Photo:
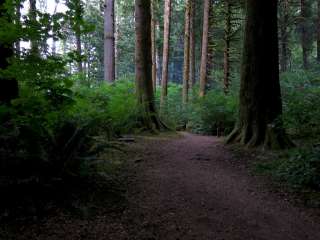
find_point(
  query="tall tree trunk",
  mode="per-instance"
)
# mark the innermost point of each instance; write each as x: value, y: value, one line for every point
x: 192, y: 44
x: 54, y: 45
x: 166, y: 51
x: 8, y: 87
x: 204, y: 52
x: 260, y: 96
x: 18, y: 19
x: 186, y: 56
x: 284, y: 22
x: 143, y: 59
x: 318, y: 32
x: 154, y: 46
x: 109, y: 42
x: 226, y: 62
x: 78, y: 12
x: 306, y: 42
x: 33, y: 17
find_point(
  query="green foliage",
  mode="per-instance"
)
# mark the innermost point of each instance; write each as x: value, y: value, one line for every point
x: 215, y: 114
x: 173, y: 111
x: 300, y: 168
x: 301, y: 93
x: 109, y: 107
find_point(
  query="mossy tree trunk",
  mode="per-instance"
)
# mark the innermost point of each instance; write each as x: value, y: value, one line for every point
x: 318, y: 32
x: 227, y: 43
x: 153, y: 45
x: 143, y: 67
x: 259, y: 122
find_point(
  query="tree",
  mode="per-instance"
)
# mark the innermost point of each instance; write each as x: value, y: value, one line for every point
x: 186, y: 55
x: 306, y: 34
x: 259, y: 121
x: 143, y: 59
x: 204, y: 52
x: 192, y: 54
x: 9, y: 86
x: 166, y: 48
x: 318, y: 31
x: 33, y: 19
x: 153, y: 45
x: 109, y: 42
x: 227, y: 40
x: 284, y: 34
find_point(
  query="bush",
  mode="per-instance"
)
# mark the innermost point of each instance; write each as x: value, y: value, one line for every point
x: 299, y: 168
x: 214, y: 114
x: 48, y: 127
x: 111, y: 109
x: 173, y: 113
x: 301, y: 93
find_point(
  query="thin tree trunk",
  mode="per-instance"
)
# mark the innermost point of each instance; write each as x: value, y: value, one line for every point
x: 109, y: 42
x: 143, y: 59
x: 18, y: 19
x: 79, y: 51
x: 78, y: 13
x: 204, y: 52
x: 318, y: 32
x: 186, y: 63
x: 54, y: 46
x: 226, y: 64
x: 166, y: 52
x: 154, y: 47
x: 284, y: 35
x: 304, y: 34
x: 260, y: 96
x: 192, y: 44
x: 33, y: 17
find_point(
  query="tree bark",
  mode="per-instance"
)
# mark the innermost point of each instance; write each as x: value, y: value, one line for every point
x: 186, y: 63
x: 166, y: 52
x: 109, y: 42
x: 318, y: 32
x: 18, y: 21
x: 226, y: 62
x: 192, y: 77
x: 78, y: 12
x: 284, y: 22
x: 33, y: 18
x: 260, y: 110
x: 306, y: 42
x: 154, y: 46
x: 9, y: 87
x: 204, y: 52
x: 143, y: 59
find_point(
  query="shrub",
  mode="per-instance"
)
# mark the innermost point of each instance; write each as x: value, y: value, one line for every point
x: 214, y: 114
x: 301, y: 92
x: 299, y: 168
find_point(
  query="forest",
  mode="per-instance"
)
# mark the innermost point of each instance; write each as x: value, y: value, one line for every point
x: 159, y: 119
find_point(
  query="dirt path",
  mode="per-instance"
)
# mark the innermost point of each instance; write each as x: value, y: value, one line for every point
x: 192, y: 188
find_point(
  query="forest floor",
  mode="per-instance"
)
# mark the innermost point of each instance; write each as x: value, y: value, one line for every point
x: 181, y: 187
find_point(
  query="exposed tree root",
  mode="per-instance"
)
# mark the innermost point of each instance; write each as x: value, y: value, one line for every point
x: 270, y: 137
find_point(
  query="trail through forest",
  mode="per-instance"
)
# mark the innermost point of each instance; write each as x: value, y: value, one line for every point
x: 193, y: 188
x: 185, y: 187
